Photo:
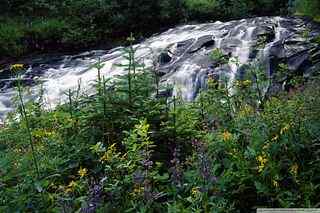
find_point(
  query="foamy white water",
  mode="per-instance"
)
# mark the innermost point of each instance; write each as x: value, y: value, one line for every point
x: 188, y: 48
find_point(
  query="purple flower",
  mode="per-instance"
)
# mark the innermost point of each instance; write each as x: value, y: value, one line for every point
x: 204, y: 162
x: 95, y: 198
x: 176, y: 169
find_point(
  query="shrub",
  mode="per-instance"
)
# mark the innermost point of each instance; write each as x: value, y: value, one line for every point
x: 11, y: 38
x: 127, y: 149
x: 307, y: 7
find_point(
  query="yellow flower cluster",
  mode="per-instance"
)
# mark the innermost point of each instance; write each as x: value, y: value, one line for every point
x: 195, y: 192
x: 275, y: 183
x: 233, y: 153
x: 41, y: 133
x: 226, y: 136
x: 245, y: 83
x: 283, y: 130
x: 212, y: 82
x: 246, y: 110
x: 16, y: 67
x: 294, y: 169
x: 109, y: 153
x: 137, y: 190
x: 82, y: 172
x: 71, y: 187
x: 262, y: 161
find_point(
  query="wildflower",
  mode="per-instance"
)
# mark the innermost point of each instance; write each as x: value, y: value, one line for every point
x: 82, y: 172
x: 176, y: 170
x: 274, y: 138
x: 71, y: 187
x: 72, y: 184
x: 226, y: 136
x: 275, y: 183
x: 16, y: 67
x: 246, y: 83
x: 246, y: 110
x: 105, y: 157
x: 204, y: 163
x: 68, y: 190
x: 294, y: 169
x: 109, y: 154
x: 195, y: 192
x: 238, y: 83
x: 262, y: 161
x: 94, y: 198
x: 285, y: 129
x: 212, y: 83
x: 137, y: 190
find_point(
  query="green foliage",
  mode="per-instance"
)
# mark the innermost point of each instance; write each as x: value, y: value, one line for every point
x: 317, y: 40
x: 219, y: 57
x: 127, y: 149
x: 308, y: 8
x: 44, y: 34
x: 200, y: 9
x: 11, y: 34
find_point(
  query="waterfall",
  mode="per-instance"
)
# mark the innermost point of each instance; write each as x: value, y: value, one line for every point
x: 187, y: 49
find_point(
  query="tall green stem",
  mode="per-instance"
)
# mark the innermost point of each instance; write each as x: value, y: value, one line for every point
x: 25, y: 117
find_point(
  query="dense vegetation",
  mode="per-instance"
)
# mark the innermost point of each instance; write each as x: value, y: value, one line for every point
x: 60, y: 25
x: 128, y: 148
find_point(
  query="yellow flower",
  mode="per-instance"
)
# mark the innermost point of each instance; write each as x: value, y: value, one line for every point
x: 82, y: 172
x: 16, y: 67
x: 212, y: 83
x: 285, y: 129
x: 137, y: 190
x: 109, y: 153
x: 238, y: 83
x: 262, y: 161
x: 294, y: 169
x: 71, y: 187
x: 246, y: 110
x: 274, y: 138
x: 246, y: 83
x: 226, y: 136
x: 72, y: 184
x: 105, y: 157
x: 275, y: 183
x: 195, y: 192
x: 68, y: 190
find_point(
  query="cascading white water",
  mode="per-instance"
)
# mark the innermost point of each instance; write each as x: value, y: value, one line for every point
x: 188, y: 47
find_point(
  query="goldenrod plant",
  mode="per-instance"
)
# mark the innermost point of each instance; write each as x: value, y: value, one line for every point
x: 234, y: 148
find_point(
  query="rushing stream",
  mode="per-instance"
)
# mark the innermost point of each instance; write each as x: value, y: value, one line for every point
x: 182, y: 56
